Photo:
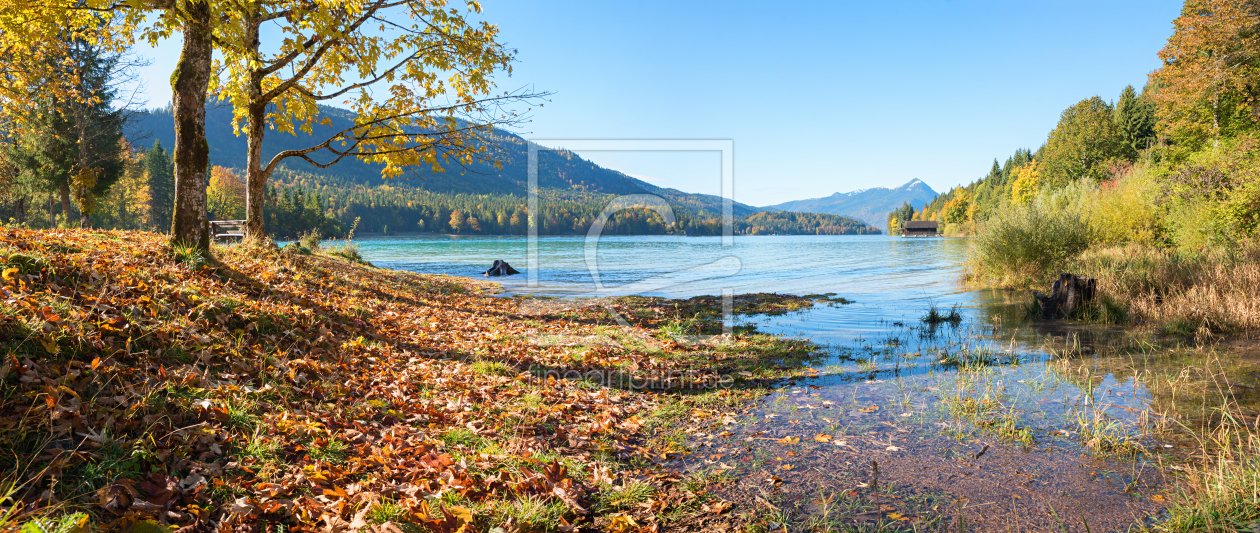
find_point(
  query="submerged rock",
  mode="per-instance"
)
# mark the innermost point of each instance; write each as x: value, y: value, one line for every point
x: 500, y: 268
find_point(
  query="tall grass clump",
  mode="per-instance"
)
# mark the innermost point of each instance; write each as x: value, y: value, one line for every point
x: 1200, y: 293
x: 349, y: 250
x: 1223, y: 494
x: 1026, y: 244
x: 1220, y: 491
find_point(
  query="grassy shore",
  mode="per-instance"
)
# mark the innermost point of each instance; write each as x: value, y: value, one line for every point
x: 1165, y: 269
x: 271, y: 390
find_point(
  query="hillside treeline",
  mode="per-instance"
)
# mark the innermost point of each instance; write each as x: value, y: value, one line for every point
x: 296, y: 199
x: 1156, y: 194
x: 1095, y: 140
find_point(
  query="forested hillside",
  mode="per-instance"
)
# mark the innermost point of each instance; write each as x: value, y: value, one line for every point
x: 474, y: 198
x: 1155, y: 194
x: 463, y: 198
x: 1096, y: 142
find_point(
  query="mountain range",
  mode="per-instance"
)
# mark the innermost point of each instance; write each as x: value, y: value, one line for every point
x: 558, y: 171
x: 868, y: 205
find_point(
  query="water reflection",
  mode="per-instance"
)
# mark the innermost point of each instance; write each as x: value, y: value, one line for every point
x: 1009, y: 422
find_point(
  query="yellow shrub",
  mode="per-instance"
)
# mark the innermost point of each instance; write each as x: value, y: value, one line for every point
x: 1125, y: 210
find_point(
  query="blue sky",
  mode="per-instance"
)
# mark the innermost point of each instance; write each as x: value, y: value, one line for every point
x: 818, y: 97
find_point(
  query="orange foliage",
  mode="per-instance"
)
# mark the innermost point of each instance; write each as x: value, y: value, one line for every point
x: 225, y: 197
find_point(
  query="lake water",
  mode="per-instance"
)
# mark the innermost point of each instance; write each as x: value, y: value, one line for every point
x: 873, y: 270
x: 987, y: 418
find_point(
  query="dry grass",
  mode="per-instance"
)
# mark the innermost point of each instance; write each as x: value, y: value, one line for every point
x: 1200, y: 294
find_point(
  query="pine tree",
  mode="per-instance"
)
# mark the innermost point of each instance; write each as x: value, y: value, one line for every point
x: 161, y: 175
x: 76, y: 137
x: 1136, y: 117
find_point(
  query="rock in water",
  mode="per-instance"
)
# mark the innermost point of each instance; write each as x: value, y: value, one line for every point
x: 500, y: 268
x: 1067, y: 296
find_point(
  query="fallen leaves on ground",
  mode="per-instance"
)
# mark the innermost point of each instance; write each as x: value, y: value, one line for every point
x: 268, y: 386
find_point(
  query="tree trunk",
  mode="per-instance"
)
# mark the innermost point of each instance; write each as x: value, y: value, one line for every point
x: 21, y: 209
x: 81, y: 122
x: 65, y: 200
x: 189, y: 84
x: 1067, y: 297
x: 255, y: 176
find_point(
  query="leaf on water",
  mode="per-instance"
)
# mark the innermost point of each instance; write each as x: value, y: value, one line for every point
x: 893, y: 449
x: 1157, y: 498
x: 718, y: 507
x: 870, y: 409
x: 822, y: 437
x: 788, y: 440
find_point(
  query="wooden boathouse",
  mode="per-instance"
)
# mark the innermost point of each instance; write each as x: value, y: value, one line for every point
x: 919, y: 228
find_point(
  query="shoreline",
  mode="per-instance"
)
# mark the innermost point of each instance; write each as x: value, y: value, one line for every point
x: 398, y: 397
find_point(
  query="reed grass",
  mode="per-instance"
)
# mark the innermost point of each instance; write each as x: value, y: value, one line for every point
x: 1185, y: 293
x: 1220, y: 490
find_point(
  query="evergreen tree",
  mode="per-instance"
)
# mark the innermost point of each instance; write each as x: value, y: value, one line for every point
x: 161, y: 176
x: 79, y: 137
x: 1136, y: 117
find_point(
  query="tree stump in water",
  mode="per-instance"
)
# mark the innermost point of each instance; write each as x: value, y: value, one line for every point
x: 500, y: 268
x: 1068, y: 295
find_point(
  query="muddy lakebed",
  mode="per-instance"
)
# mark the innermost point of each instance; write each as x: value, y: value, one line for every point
x: 986, y: 422
x: 930, y: 407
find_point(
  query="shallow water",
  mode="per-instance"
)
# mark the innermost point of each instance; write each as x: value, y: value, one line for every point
x: 1007, y: 423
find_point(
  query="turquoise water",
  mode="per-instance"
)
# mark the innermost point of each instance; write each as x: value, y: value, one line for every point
x: 883, y: 275
x: 688, y: 266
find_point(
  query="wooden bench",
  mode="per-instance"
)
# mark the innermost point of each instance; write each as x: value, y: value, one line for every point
x: 222, y: 230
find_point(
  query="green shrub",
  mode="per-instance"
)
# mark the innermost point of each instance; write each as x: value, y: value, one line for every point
x: 25, y: 263
x: 310, y: 240
x: 295, y: 248
x: 1214, y: 198
x: 1024, y: 245
x: 349, y: 252
x: 1127, y: 209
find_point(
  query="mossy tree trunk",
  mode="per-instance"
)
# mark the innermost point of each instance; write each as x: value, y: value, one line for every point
x: 189, y: 225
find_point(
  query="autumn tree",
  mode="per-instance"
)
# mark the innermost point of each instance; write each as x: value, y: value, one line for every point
x: 457, y: 220
x: 28, y: 35
x: 957, y: 209
x: 1080, y: 146
x: 1209, y: 84
x: 225, y: 196
x: 127, y: 205
x: 71, y: 136
x: 416, y: 75
x: 1027, y: 182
